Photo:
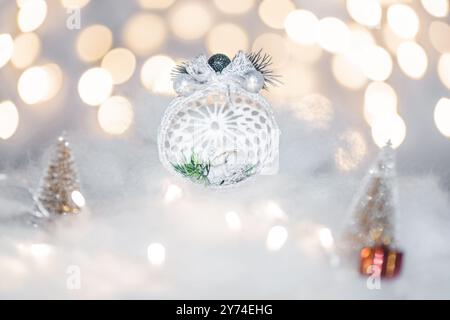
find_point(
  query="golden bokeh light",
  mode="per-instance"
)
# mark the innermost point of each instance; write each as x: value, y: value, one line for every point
x: 155, y: 74
x: 442, y: 116
x: 6, y: 48
x: 55, y: 80
x: 155, y: 4
x: 40, y: 83
x: 385, y: 3
x: 273, y: 44
x: 299, y: 79
x: 390, y: 39
x: 314, y: 109
x: 20, y: 3
x: 143, y: 33
x: 9, y: 119
x: 361, y: 40
x: 347, y: 72
x: 95, y: 86
x: 444, y: 69
x: 365, y: 12
x: 234, y: 6
x: 33, y: 85
x: 303, y: 53
x: 27, y: 47
x: 274, y: 12
x: 31, y: 15
x: 412, y: 59
x: 403, y: 20
x: 272, y: 211
x: 351, y: 150
x: 326, y: 238
x: 190, y: 20
x: 227, y: 38
x: 276, y: 238
x: 389, y: 128
x: 120, y: 63
x: 115, y: 115
x: 71, y: 4
x: 173, y: 193
x: 377, y: 63
x: 233, y: 221
x: 436, y: 8
x: 380, y: 100
x: 302, y: 26
x: 439, y: 34
x: 334, y: 35
x: 78, y: 198
x: 93, y: 42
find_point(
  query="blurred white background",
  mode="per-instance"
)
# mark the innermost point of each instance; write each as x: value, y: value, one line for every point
x: 355, y: 74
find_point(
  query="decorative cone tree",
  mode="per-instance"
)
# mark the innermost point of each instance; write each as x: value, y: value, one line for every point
x: 59, y: 192
x: 372, y: 227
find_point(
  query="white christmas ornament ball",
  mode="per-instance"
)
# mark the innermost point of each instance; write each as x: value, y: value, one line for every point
x: 219, y: 131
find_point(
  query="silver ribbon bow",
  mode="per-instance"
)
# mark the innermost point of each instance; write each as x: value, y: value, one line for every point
x: 202, y: 72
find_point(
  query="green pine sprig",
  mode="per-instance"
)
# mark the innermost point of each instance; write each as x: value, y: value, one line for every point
x: 194, y: 169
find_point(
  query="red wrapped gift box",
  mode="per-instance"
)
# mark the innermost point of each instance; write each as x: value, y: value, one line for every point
x: 380, y: 260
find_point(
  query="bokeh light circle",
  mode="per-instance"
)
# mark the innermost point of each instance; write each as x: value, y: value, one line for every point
x: 115, y: 115
x: 31, y: 15
x: 444, y: 69
x: 390, y: 128
x: 365, y: 12
x: 27, y: 47
x: 33, y: 85
x: 334, y: 35
x: 93, y: 42
x: 155, y: 74
x: 71, y: 4
x: 436, y: 8
x: 442, y: 116
x: 190, y: 20
x: 144, y: 33
x: 377, y: 63
x: 273, y: 44
x: 234, y: 6
x: 439, y: 35
x: 95, y: 86
x: 40, y: 83
x: 120, y: 63
x: 351, y: 150
x: 9, y: 119
x: 274, y: 12
x: 302, y: 26
x: 155, y: 4
x: 6, y: 48
x: 227, y: 38
x: 412, y: 59
x: 380, y: 100
x: 55, y: 80
x: 403, y: 20
x: 347, y: 72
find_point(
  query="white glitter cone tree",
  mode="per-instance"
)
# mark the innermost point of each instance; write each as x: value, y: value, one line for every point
x: 374, y: 209
x: 59, y: 192
x: 372, y: 229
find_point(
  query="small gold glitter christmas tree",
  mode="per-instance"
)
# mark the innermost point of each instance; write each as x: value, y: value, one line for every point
x: 372, y: 228
x: 59, y: 192
x: 374, y: 210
